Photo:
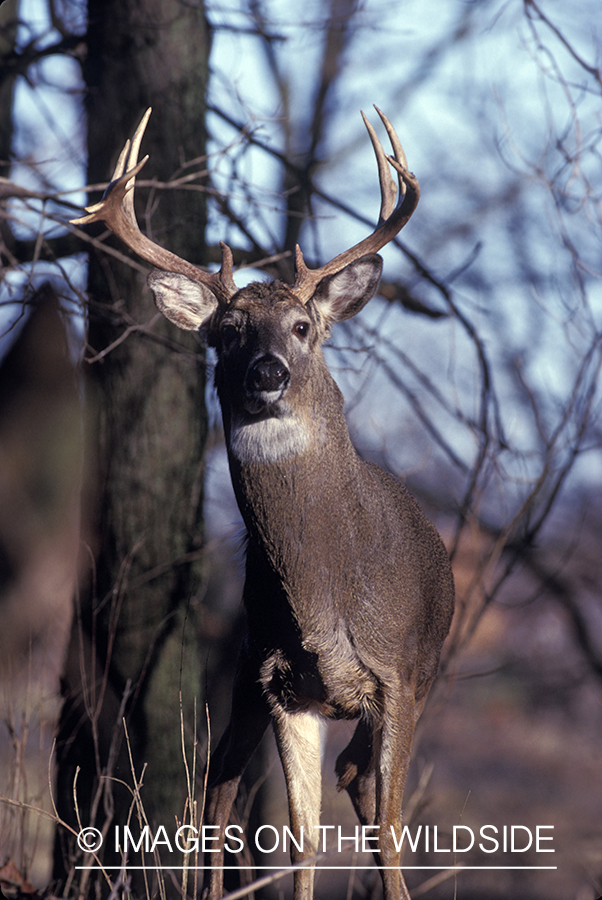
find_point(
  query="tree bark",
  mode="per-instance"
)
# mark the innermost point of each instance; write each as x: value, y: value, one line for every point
x: 134, y: 646
x: 8, y: 72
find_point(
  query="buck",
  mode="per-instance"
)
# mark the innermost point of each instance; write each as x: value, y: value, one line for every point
x: 348, y: 589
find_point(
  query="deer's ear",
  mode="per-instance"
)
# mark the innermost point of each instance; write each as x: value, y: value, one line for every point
x: 186, y: 303
x: 342, y: 295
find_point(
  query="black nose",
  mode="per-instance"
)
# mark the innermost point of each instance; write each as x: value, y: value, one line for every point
x: 268, y: 374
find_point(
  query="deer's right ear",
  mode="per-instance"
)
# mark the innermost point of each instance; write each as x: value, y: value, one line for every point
x: 186, y: 303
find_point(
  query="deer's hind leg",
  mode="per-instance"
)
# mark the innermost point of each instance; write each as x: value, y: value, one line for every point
x: 356, y: 772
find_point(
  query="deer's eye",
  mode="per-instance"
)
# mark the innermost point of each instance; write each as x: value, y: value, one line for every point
x: 301, y: 330
x: 228, y: 332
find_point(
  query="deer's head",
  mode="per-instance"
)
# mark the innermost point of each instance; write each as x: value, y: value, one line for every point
x: 267, y: 336
x: 270, y: 372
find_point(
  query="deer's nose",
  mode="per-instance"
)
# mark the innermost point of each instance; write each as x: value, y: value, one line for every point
x: 268, y: 374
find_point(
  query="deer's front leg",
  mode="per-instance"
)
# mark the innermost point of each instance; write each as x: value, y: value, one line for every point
x: 248, y: 722
x: 298, y: 739
x: 393, y: 744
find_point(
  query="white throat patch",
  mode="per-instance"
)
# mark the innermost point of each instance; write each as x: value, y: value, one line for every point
x: 268, y: 440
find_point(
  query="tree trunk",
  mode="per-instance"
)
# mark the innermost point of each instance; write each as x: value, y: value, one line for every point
x: 134, y: 645
x: 8, y: 36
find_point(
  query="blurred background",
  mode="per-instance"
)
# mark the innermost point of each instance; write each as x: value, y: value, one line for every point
x: 473, y: 376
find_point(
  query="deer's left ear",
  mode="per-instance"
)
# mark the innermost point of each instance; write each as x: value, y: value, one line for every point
x: 342, y: 295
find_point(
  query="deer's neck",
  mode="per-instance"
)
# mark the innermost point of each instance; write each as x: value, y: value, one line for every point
x: 292, y: 490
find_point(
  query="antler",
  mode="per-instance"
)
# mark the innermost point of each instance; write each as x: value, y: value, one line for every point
x: 391, y: 220
x: 116, y: 209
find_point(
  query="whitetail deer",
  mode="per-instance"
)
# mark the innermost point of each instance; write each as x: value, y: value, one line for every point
x: 348, y: 591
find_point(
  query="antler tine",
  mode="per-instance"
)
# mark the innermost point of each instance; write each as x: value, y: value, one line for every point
x: 395, y: 142
x: 393, y: 215
x: 116, y: 210
x: 388, y: 190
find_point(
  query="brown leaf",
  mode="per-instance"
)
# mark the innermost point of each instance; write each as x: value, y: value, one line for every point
x: 12, y: 882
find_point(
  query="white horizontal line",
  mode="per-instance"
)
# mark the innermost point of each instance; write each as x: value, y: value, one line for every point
x: 332, y: 868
